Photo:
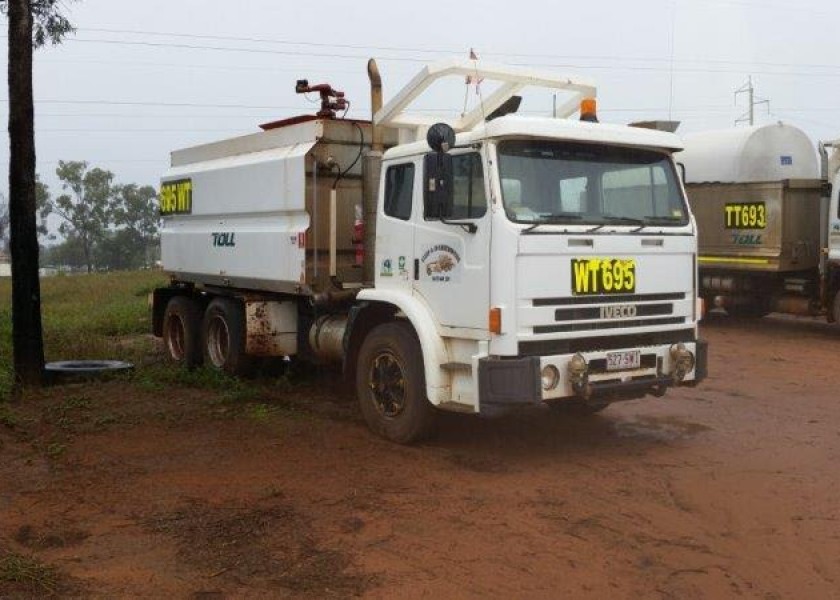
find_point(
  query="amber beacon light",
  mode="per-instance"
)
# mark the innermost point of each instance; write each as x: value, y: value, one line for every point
x: 589, y: 110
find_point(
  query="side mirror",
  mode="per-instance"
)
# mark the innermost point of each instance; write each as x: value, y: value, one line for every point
x: 681, y: 168
x: 437, y: 188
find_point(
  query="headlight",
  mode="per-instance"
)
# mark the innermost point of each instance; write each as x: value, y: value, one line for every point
x: 550, y: 377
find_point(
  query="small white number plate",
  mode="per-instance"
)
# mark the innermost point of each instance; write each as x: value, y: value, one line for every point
x: 624, y: 361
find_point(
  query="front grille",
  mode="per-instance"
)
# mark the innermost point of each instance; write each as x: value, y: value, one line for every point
x: 600, y: 343
x: 602, y: 299
x: 601, y: 325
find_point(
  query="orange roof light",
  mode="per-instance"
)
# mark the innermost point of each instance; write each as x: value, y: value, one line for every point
x: 588, y: 110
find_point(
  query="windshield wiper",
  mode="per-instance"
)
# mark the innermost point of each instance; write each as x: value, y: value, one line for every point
x: 610, y: 219
x: 665, y: 219
x: 554, y: 219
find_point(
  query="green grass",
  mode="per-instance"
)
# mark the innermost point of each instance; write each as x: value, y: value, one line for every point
x: 27, y: 571
x: 84, y: 317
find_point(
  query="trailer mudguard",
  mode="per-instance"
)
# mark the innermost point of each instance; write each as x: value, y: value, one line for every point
x: 438, y: 389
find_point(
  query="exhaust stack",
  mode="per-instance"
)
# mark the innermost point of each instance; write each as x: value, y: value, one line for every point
x: 375, y: 103
x: 371, y: 169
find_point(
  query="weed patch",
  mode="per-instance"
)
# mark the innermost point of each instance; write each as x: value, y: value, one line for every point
x: 28, y: 574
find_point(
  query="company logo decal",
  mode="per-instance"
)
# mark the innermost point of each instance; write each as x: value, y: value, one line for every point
x: 618, y: 311
x: 387, y: 269
x: 441, y: 262
x: 224, y: 239
x: 746, y: 239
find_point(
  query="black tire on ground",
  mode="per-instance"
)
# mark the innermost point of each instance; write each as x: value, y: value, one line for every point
x: 182, y: 331
x: 223, y: 337
x: 577, y: 408
x: 391, y: 384
x: 77, y: 370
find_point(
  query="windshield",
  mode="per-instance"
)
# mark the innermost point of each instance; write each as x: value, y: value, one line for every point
x: 562, y: 182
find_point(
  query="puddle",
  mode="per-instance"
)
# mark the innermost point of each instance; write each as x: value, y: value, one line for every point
x: 660, y: 428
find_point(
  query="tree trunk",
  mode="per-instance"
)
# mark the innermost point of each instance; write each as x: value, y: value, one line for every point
x: 26, y: 290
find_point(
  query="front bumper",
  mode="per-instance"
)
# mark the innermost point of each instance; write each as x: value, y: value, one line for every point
x: 518, y: 381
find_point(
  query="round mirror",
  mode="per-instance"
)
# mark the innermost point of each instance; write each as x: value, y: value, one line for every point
x: 440, y: 137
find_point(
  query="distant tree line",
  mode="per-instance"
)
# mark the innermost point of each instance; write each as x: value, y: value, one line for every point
x: 103, y: 225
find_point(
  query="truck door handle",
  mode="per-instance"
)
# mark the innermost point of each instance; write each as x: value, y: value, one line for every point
x: 416, y: 269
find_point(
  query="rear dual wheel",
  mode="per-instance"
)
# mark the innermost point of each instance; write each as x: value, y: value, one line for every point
x: 216, y: 338
x: 182, y: 331
x: 223, y: 330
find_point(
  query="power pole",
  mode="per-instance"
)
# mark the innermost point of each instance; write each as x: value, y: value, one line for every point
x: 753, y: 100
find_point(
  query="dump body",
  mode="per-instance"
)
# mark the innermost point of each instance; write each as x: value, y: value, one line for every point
x: 759, y: 197
x: 755, y: 193
x: 253, y: 212
x: 767, y: 226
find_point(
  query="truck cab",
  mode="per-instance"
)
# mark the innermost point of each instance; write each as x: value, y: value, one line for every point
x: 563, y: 270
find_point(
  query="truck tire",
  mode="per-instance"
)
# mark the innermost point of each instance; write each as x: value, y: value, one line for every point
x: 224, y: 337
x: 391, y: 384
x: 182, y: 331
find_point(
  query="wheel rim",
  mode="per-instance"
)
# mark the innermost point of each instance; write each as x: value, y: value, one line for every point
x: 387, y: 384
x: 176, y: 337
x: 218, y: 341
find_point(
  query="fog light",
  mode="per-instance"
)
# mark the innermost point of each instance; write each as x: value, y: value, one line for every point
x: 550, y: 377
x: 579, y: 375
x: 683, y: 361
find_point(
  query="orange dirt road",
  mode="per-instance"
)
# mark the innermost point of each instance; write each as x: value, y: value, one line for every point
x: 728, y: 490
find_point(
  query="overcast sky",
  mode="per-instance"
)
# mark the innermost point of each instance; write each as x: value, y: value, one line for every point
x: 139, y: 79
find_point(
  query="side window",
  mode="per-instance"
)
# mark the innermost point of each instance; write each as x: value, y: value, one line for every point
x: 468, y: 199
x: 399, y: 189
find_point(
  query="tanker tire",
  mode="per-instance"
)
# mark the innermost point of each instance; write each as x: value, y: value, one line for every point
x: 391, y: 385
x: 182, y: 331
x: 223, y: 335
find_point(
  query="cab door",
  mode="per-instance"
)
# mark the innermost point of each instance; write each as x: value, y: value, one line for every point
x: 451, y: 271
x: 401, y: 186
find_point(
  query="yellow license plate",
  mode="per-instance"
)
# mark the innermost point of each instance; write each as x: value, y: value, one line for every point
x: 745, y: 215
x: 176, y: 197
x: 593, y: 276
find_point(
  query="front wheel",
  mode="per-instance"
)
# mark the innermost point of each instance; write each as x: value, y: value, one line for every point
x: 391, y: 384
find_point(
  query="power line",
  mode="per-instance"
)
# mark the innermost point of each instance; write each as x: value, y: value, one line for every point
x: 445, y: 52
x: 195, y: 36
x: 331, y: 55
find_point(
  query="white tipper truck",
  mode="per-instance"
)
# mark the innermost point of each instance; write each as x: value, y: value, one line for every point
x: 505, y: 260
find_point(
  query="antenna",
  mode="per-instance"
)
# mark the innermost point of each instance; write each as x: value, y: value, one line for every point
x: 754, y: 101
